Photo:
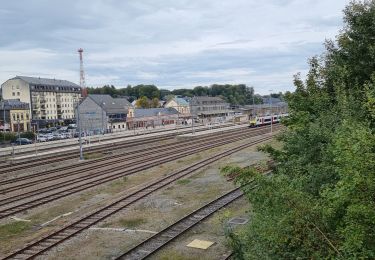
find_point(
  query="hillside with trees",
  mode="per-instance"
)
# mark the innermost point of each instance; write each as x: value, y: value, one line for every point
x: 319, y: 201
x: 234, y: 94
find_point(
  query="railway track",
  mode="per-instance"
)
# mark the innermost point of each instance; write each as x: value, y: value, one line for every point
x: 42, y: 196
x: 157, y: 241
x: 67, y: 155
x: 46, y: 149
x: 93, y: 164
x: 55, y: 238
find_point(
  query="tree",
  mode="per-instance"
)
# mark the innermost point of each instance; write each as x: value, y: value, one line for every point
x: 319, y: 201
x: 143, y: 102
x: 155, y: 102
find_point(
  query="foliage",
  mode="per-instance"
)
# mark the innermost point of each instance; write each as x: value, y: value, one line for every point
x: 154, y: 102
x: 28, y: 135
x: 7, y: 136
x: 319, y: 201
x: 234, y: 94
x: 143, y: 102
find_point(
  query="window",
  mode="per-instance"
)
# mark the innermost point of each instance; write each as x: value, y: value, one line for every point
x: 18, y: 93
x: 13, y: 94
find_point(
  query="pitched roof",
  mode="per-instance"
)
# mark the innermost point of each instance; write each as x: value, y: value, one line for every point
x: 181, y: 101
x: 150, y: 112
x: 13, y: 104
x: 111, y: 105
x: 47, y: 82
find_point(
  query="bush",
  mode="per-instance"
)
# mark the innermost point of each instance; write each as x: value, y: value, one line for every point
x: 7, y: 136
x: 28, y: 135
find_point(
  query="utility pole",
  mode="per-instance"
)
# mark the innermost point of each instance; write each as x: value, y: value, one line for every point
x: 271, y: 110
x: 192, y: 115
x: 79, y: 133
x: 18, y: 130
x: 4, y: 121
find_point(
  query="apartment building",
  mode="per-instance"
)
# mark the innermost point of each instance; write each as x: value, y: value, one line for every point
x: 48, y: 99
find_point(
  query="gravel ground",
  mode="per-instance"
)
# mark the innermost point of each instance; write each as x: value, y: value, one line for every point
x: 161, y: 209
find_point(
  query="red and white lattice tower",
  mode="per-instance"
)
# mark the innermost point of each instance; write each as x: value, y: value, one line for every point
x: 82, y: 82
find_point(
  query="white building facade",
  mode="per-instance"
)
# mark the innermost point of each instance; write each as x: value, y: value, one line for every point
x: 49, y: 99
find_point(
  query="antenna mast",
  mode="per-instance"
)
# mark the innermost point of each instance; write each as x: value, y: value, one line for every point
x: 82, y: 82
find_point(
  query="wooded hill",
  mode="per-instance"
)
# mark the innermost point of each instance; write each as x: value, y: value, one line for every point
x: 233, y: 94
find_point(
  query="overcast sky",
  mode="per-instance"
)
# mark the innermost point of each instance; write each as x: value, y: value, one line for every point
x: 170, y: 43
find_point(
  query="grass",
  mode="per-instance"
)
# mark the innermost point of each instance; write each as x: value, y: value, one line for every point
x: 174, y: 255
x: 13, y: 229
x: 132, y: 223
x: 183, y: 181
x: 88, y: 156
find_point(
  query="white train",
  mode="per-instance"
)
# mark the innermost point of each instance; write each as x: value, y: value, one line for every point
x: 266, y: 120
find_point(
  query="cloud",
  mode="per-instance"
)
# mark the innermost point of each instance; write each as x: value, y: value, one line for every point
x: 165, y: 42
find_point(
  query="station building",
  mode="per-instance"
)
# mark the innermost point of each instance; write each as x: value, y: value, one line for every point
x: 49, y: 100
x: 209, y: 107
x: 151, y: 117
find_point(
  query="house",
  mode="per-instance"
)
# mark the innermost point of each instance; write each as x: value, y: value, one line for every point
x: 180, y: 104
x: 102, y: 113
x: 14, y: 116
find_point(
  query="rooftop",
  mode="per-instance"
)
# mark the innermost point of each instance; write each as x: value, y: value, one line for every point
x: 150, y: 112
x: 46, y: 82
x: 111, y: 105
x: 13, y: 104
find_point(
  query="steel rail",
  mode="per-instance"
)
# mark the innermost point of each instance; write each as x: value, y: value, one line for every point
x: 157, y: 241
x: 55, y: 238
x: 104, y: 179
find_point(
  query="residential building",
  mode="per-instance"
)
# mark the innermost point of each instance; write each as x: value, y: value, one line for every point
x: 205, y: 106
x: 151, y: 117
x: 102, y: 113
x: 181, y: 105
x: 14, y: 116
x: 49, y: 100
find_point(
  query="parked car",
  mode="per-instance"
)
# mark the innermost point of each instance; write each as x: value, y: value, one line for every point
x: 22, y: 141
x: 41, y: 138
x: 50, y: 137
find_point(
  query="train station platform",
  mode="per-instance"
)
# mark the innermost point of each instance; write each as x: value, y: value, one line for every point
x: 43, y: 149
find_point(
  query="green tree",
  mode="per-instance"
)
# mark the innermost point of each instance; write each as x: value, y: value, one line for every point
x: 143, y: 102
x: 319, y: 200
x: 155, y: 102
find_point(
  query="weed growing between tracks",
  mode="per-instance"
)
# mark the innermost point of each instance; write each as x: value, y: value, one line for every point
x: 13, y: 229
